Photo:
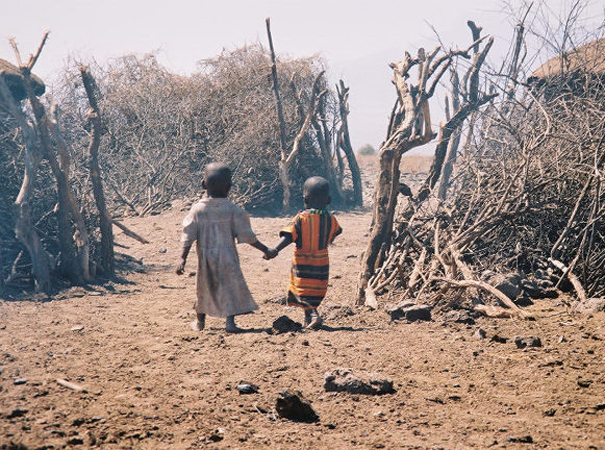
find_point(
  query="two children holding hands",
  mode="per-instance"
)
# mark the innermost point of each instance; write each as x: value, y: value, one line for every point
x: 215, y: 224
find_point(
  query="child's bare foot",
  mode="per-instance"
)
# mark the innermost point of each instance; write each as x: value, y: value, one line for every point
x: 196, y: 325
x: 316, y: 321
x: 307, y: 318
x: 199, y: 323
x: 231, y: 327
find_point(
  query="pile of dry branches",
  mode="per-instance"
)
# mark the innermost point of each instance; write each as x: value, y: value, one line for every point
x: 523, y: 195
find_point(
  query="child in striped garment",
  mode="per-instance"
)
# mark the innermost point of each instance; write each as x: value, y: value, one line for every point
x: 312, y: 230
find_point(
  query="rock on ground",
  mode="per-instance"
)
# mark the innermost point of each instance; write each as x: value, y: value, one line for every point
x: 459, y: 317
x: 480, y: 334
x: 509, y: 285
x: 527, y: 341
x: 538, y: 288
x: 283, y: 324
x: 294, y: 407
x: 347, y: 380
x: 410, y: 311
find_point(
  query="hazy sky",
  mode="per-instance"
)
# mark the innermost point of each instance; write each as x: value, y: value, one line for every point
x: 357, y: 38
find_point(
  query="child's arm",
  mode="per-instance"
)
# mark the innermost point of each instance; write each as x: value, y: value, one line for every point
x: 263, y: 248
x: 286, y: 239
x: 180, y: 268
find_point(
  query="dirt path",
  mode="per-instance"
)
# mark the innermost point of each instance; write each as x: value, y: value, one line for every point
x: 152, y: 383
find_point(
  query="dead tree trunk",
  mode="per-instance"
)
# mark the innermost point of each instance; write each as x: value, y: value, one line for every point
x: 81, y: 236
x: 324, y: 139
x: 94, y: 116
x: 406, y: 131
x: 452, y: 149
x: 24, y: 228
x: 409, y: 127
x: 68, y: 261
x: 287, y: 158
x: 344, y: 142
x: 283, y: 165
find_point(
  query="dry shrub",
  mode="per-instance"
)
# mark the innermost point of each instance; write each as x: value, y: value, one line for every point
x: 162, y: 128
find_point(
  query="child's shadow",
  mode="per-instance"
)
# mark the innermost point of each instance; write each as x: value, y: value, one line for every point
x: 331, y: 329
x: 254, y: 330
x: 241, y: 331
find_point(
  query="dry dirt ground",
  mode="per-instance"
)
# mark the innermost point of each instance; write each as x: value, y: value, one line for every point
x: 152, y: 383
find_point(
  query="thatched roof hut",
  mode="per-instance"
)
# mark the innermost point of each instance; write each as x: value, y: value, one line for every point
x: 12, y: 77
x: 589, y: 58
x: 572, y: 72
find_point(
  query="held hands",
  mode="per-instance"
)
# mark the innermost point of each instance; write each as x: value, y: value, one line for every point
x: 270, y: 253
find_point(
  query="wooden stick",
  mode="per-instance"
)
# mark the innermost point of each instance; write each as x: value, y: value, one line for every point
x: 515, y: 310
x: 280, y: 114
x: 94, y: 118
x: 370, y: 298
x: 575, y: 282
x: 495, y: 311
x: 129, y: 232
x: 69, y: 385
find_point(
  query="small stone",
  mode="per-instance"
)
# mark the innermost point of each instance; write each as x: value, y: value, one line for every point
x: 521, y: 439
x: 75, y: 441
x: 215, y: 437
x: 17, y: 412
x: 509, y: 285
x: 294, y: 407
x: 91, y: 438
x: 162, y: 250
x: 550, y: 412
x: 459, y: 317
x: 523, y: 301
x: 538, y: 289
x: 499, y: 339
x: 561, y: 339
x: 18, y: 381
x: 480, y: 334
x: 527, y: 341
x: 410, y: 311
x: 584, y: 383
x: 79, y: 421
x: 77, y: 328
x: 347, y: 380
x: 247, y: 388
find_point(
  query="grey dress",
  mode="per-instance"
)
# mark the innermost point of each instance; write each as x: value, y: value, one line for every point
x: 215, y: 224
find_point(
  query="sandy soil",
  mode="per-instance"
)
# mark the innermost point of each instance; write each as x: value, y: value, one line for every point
x: 151, y: 382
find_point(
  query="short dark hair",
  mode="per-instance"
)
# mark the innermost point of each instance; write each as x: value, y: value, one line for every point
x: 316, y: 189
x: 217, y: 177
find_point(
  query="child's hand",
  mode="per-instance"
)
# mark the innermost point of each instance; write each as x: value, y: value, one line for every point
x: 270, y: 253
x: 180, y: 268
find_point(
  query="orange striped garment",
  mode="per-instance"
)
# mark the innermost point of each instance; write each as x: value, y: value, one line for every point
x: 312, y: 230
